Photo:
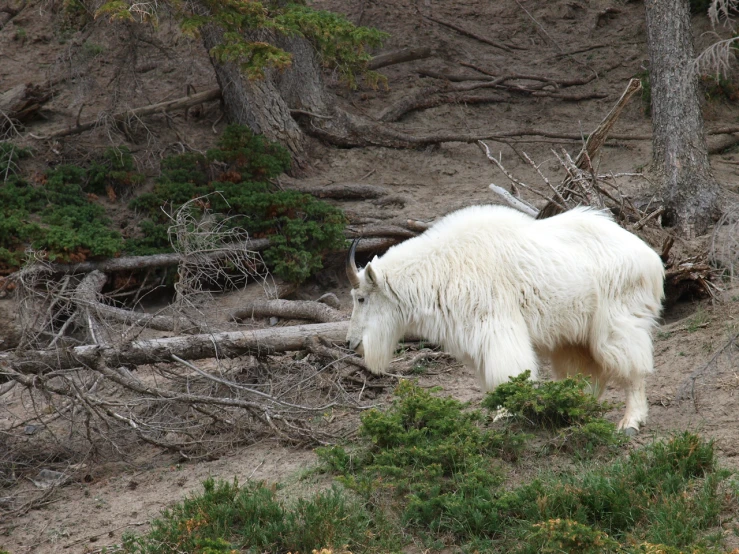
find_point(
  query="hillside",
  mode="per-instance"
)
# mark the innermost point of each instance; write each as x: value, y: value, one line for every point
x: 565, y: 64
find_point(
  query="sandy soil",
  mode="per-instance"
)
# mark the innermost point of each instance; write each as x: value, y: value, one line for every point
x: 563, y: 39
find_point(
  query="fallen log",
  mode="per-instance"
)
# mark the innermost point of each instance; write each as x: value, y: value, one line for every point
x: 380, y: 231
x: 289, y: 309
x: 192, y: 347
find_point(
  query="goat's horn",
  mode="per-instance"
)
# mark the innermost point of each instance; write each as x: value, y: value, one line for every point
x: 351, y: 266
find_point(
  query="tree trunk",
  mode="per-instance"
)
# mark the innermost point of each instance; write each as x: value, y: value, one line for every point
x: 256, y: 103
x: 680, y: 153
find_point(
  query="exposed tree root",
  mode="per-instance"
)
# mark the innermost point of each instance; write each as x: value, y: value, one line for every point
x: 399, y: 56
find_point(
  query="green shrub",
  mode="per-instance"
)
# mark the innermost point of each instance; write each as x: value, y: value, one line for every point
x: 666, y: 493
x: 428, y: 470
x: 563, y: 535
x: 63, y: 216
x: 551, y: 404
x: 227, y: 517
x: 436, y: 464
x: 432, y: 459
x: 56, y: 216
x: 300, y: 228
x: 113, y: 172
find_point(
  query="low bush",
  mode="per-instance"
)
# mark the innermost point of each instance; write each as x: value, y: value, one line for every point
x: 227, y: 517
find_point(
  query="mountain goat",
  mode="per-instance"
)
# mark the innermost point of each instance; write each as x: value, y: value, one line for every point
x: 498, y: 290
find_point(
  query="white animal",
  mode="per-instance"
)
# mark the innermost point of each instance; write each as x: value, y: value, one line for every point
x: 499, y: 290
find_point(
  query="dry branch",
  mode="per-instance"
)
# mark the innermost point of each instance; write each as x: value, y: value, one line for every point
x: 459, y: 93
x: 513, y: 202
x: 121, y: 117
x: 430, y: 97
x: 501, y: 80
x: 356, y: 131
x: 86, y: 298
x: 137, y: 263
x: 398, y: 56
x: 289, y: 309
x: 590, y: 150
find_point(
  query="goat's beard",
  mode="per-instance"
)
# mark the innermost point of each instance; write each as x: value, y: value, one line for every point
x: 378, y: 346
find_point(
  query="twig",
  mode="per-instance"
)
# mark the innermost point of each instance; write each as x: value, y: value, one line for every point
x: 486, y: 150
x: 562, y: 201
x: 108, y: 532
x: 659, y: 211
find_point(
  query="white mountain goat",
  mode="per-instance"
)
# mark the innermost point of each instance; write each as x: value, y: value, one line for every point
x: 498, y: 289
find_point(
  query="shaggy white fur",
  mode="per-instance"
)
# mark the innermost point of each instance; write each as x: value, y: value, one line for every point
x: 498, y: 290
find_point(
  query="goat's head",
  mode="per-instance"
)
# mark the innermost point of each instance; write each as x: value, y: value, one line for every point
x: 376, y: 324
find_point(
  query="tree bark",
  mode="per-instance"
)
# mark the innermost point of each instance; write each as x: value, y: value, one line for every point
x: 679, y: 152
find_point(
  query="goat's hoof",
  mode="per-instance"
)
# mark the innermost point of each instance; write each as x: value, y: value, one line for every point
x: 630, y: 431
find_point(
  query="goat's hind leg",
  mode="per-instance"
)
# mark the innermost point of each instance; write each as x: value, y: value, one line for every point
x: 627, y: 356
x: 636, y: 405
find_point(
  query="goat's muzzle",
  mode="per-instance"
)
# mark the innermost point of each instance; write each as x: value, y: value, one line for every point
x: 357, y: 346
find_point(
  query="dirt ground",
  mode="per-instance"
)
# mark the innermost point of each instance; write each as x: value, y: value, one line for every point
x: 560, y: 39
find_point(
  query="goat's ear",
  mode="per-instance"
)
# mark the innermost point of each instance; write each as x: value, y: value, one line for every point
x: 371, y: 275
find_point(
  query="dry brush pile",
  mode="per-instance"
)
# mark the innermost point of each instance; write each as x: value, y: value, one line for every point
x: 92, y: 375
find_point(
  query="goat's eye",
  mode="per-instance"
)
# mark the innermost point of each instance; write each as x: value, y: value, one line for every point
x: 360, y: 300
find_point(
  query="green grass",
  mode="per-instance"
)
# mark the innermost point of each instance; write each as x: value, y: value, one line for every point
x: 699, y: 320
x: 436, y: 472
